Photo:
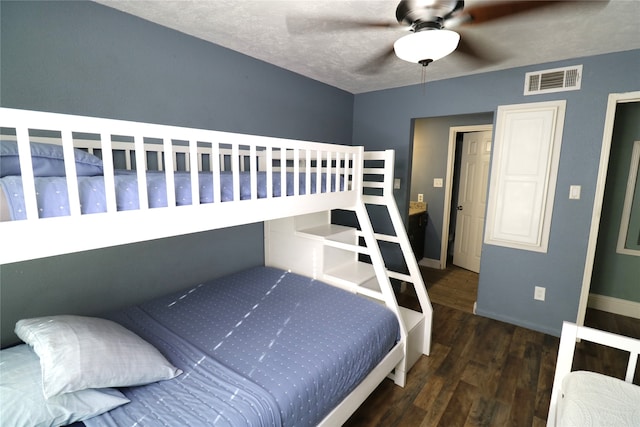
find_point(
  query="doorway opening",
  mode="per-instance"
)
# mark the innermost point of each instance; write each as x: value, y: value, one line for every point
x: 467, y: 196
x: 607, y: 140
x: 433, y: 170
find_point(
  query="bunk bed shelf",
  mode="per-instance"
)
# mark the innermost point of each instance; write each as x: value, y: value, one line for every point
x: 353, y: 273
x: 330, y: 231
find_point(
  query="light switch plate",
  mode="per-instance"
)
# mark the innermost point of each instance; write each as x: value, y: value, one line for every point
x: 396, y: 184
x: 437, y: 182
x: 574, y: 192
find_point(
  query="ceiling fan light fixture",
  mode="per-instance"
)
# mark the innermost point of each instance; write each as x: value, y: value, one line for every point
x: 426, y: 46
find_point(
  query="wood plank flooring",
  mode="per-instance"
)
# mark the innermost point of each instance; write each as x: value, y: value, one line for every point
x: 453, y: 287
x: 482, y: 372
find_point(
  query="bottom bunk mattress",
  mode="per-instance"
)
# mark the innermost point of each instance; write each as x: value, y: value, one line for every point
x: 263, y: 347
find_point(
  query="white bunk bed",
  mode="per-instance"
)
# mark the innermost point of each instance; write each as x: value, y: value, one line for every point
x: 582, y: 398
x: 290, y: 185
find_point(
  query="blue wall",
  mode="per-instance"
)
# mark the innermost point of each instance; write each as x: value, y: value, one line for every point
x: 507, y: 277
x: 84, y: 58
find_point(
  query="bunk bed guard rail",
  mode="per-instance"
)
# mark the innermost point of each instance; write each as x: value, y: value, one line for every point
x: 229, y: 179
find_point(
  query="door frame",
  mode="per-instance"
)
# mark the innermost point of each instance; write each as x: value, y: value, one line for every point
x: 613, y: 101
x: 451, y: 157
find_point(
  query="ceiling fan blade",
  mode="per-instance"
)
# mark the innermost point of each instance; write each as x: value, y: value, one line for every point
x: 486, y: 12
x: 377, y: 63
x: 476, y: 52
x: 310, y: 25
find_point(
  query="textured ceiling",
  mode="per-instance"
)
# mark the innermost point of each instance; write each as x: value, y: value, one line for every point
x: 295, y: 35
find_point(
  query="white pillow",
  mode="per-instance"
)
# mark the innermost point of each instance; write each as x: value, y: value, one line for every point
x: 22, y: 402
x: 78, y: 352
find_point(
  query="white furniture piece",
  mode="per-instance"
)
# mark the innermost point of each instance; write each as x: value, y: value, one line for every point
x: 298, y: 231
x: 581, y: 398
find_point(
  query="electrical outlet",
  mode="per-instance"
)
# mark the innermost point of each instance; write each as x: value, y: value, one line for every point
x: 538, y: 293
x: 420, y: 197
x: 396, y: 184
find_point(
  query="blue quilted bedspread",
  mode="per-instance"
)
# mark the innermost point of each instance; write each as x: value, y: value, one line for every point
x: 262, y: 347
x: 52, y: 195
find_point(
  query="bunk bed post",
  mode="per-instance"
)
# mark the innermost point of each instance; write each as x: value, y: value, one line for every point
x: 568, y: 338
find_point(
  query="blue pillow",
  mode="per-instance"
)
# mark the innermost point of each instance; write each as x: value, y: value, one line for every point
x: 22, y: 401
x: 48, y: 160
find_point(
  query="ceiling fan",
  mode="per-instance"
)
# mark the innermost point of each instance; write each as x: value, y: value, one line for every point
x: 431, y: 24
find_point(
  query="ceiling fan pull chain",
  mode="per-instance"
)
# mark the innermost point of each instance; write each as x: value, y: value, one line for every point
x: 423, y: 80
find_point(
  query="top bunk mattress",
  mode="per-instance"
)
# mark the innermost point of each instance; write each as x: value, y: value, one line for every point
x: 53, y: 200
x: 258, y: 348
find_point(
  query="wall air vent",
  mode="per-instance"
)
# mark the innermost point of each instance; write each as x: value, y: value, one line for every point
x: 554, y: 80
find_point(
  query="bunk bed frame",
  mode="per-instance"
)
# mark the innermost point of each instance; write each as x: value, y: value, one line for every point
x: 299, y: 212
x: 169, y: 221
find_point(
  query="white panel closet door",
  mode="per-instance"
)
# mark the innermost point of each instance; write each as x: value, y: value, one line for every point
x: 523, y: 175
x: 472, y: 199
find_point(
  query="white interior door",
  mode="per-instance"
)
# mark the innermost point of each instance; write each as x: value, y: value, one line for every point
x: 472, y: 199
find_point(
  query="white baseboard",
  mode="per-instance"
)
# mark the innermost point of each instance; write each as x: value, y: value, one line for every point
x: 428, y: 262
x: 614, y: 305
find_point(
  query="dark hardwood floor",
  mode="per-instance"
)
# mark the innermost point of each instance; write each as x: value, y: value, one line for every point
x: 482, y: 372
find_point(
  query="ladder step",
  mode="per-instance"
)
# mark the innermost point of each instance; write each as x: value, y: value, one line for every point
x: 373, y: 171
x: 373, y: 184
x: 371, y: 289
x: 387, y: 238
x: 376, y: 155
x: 347, y: 246
x: 374, y: 200
x: 383, y: 237
x: 370, y: 293
x: 400, y: 276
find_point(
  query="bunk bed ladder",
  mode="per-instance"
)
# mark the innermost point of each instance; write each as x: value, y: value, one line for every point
x: 378, y: 191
